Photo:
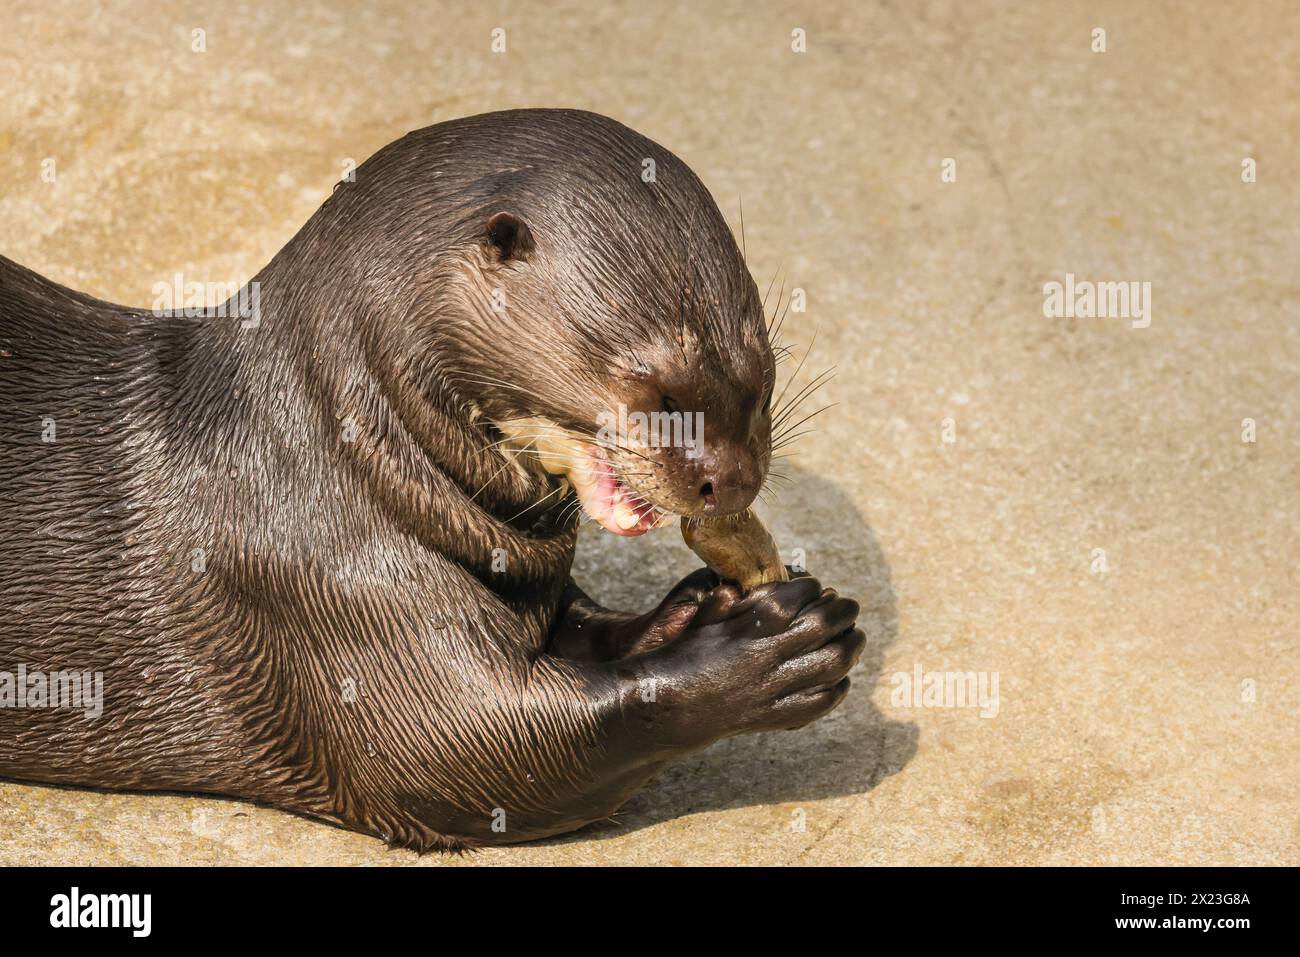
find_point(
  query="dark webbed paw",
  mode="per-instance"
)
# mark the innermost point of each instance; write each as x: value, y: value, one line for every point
x: 591, y: 633
x: 775, y: 658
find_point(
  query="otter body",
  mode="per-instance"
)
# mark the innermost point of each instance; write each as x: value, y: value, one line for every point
x: 305, y: 564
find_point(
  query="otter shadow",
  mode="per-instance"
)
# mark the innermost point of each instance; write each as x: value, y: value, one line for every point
x: 848, y: 752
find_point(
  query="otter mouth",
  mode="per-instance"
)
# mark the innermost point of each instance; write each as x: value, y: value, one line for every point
x: 610, y: 502
x: 602, y: 493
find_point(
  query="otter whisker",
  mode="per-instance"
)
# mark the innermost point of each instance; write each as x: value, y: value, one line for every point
x: 625, y: 448
x: 790, y: 428
x: 771, y: 331
x: 585, y: 469
x: 821, y: 379
x: 461, y: 377
x: 770, y: 494
x: 792, y: 438
x: 770, y: 284
x: 797, y: 370
x: 489, y: 481
x: 744, y: 254
x: 569, y: 510
x: 784, y: 411
x: 530, y: 433
x: 776, y: 329
x: 559, y: 488
x: 481, y: 379
x: 577, y: 468
x: 532, y: 437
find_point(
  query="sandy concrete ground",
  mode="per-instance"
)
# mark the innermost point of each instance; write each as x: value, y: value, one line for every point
x: 1147, y: 712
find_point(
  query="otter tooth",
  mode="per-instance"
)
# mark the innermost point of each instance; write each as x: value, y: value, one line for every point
x: 625, y: 516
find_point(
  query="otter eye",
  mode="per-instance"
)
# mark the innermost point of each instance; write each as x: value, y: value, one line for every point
x: 670, y: 406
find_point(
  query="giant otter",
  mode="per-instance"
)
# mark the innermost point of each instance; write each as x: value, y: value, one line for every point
x: 308, y: 563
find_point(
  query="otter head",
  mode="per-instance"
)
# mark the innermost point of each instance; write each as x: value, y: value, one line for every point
x: 608, y: 327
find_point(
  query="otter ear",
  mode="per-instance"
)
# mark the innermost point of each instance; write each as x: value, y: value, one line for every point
x: 509, y: 236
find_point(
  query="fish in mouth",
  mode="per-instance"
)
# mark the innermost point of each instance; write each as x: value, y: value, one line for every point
x: 737, y: 545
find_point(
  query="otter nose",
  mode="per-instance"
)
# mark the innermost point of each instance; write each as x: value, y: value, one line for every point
x: 730, y: 486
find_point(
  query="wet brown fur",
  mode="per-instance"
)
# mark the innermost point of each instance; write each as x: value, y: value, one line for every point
x: 334, y: 466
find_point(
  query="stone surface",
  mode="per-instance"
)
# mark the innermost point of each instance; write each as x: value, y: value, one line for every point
x: 1126, y: 730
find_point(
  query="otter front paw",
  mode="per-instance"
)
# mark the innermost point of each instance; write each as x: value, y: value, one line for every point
x: 775, y: 658
x: 587, y: 632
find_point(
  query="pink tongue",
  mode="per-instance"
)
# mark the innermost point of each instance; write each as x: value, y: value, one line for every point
x: 606, y: 500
